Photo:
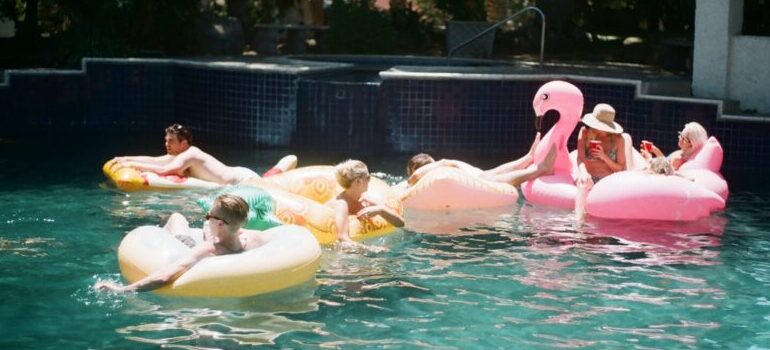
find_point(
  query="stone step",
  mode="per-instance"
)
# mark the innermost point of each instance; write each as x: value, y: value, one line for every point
x: 677, y: 88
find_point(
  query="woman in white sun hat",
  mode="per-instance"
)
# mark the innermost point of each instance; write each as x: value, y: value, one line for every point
x: 600, y: 146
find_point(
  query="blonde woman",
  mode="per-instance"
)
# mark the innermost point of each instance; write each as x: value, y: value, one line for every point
x: 600, y: 146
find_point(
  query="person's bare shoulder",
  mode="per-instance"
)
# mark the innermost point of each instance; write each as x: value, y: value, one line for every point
x: 251, y: 239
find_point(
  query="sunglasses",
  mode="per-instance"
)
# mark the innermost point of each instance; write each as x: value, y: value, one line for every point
x: 684, y: 138
x: 209, y: 217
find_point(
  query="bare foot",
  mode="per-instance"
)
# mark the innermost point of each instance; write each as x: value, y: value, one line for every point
x: 287, y: 163
x: 546, y: 167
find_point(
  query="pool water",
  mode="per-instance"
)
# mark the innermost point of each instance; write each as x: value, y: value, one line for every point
x: 518, y: 277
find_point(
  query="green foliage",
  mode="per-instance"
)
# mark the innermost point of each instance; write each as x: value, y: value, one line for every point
x: 163, y: 26
x: 355, y: 27
x: 463, y: 10
x: 412, y: 32
x: 12, y: 9
x: 633, y: 16
x: 72, y: 29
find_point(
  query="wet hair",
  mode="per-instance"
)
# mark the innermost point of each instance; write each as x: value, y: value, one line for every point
x: 349, y: 171
x: 417, y: 161
x: 696, y: 133
x: 661, y: 165
x: 182, y: 133
x: 233, y: 208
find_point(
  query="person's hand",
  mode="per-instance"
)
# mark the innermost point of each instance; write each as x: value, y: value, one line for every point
x: 124, y: 163
x: 109, y: 286
x: 657, y: 152
x: 644, y: 153
x: 368, y: 212
x: 585, y: 180
x: 597, y: 152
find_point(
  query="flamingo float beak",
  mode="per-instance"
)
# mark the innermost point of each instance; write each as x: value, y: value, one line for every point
x: 538, y: 122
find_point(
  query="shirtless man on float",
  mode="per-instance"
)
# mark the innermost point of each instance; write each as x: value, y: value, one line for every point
x: 183, y: 159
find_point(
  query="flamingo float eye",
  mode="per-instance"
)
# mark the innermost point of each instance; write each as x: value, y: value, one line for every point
x: 545, y: 96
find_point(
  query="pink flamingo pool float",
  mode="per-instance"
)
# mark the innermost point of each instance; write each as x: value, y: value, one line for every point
x: 631, y: 194
x: 559, y: 189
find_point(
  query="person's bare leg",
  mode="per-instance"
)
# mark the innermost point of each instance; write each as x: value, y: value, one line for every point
x: 519, y: 176
x: 177, y: 225
x: 518, y: 164
x: 580, y: 202
x: 285, y: 164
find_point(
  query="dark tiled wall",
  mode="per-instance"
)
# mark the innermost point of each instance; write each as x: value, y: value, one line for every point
x: 455, y: 116
x: 247, y: 107
x: 239, y: 106
x: 129, y: 96
x: 459, y: 117
x: 339, y: 116
x: 399, y: 115
x: 41, y: 101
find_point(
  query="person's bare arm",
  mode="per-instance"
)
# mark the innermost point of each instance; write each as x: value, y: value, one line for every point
x: 581, y: 146
x: 161, y: 277
x: 420, y: 172
x: 341, y: 219
x: 374, y: 206
x: 176, y: 166
x: 583, y: 176
x: 654, y: 152
x: 614, y: 165
x: 144, y: 159
x: 676, y: 160
x: 387, y: 213
x: 470, y: 169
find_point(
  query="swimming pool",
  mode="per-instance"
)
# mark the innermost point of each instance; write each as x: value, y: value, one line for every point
x: 519, y: 277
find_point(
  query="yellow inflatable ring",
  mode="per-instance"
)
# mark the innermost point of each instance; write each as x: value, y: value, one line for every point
x: 300, y: 196
x: 130, y: 179
x: 289, y: 258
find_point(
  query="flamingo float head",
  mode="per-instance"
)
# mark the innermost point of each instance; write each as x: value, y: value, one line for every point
x: 561, y: 96
x: 566, y: 99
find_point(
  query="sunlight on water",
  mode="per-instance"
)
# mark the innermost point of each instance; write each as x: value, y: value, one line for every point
x: 516, y: 277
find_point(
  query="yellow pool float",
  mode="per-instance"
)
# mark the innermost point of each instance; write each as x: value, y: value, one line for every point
x: 131, y: 179
x: 300, y: 196
x: 289, y: 257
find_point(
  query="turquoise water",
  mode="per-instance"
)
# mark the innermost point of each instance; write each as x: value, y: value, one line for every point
x: 519, y: 277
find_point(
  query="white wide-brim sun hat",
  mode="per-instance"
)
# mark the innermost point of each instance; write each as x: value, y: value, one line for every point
x: 603, y: 119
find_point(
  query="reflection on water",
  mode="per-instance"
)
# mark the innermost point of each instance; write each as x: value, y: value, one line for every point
x: 200, y: 323
x: 516, y: 277
x: 629, y: 241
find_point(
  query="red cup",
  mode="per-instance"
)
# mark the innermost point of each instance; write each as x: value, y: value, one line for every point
x: 647, y: 145
x: 594, y: 145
